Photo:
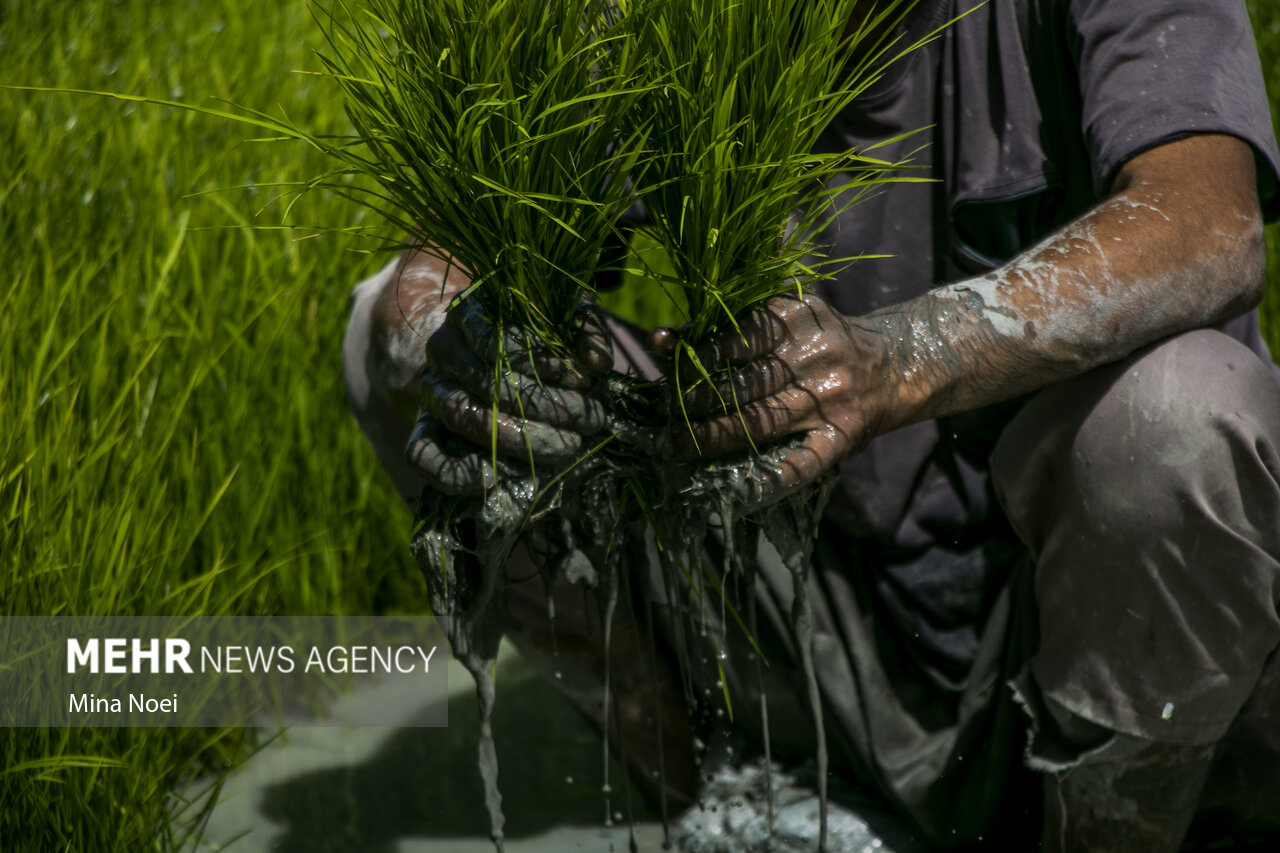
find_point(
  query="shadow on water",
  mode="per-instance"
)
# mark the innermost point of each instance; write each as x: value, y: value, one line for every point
x: 424, y: 782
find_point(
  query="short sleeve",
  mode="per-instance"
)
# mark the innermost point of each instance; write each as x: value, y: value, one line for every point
x: 1156, y: 71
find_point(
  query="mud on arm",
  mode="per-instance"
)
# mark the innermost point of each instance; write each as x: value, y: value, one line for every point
x: 1178, y: 245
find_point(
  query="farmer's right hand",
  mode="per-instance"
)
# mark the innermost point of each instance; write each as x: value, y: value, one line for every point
x: 545, y: 411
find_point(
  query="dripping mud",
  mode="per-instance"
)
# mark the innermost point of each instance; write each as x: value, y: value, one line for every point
x: 622, y: 520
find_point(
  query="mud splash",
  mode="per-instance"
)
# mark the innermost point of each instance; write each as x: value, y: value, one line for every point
x: 733, y: 818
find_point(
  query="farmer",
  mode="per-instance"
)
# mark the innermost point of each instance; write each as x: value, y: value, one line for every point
x: 1046, y: 584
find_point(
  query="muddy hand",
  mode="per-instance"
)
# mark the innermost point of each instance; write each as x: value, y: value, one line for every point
x: 797, y: 368
x: 544, y: 406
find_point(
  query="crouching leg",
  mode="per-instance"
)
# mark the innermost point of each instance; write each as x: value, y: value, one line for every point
x: 1148, y: 493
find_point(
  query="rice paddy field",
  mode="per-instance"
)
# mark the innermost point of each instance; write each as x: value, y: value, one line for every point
x: 173, y: 428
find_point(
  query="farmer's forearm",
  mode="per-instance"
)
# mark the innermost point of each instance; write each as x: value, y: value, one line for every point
x: 406, y: 311
x: 1178, y: 246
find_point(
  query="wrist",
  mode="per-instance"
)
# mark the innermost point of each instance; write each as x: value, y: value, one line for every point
x: 903, y: 354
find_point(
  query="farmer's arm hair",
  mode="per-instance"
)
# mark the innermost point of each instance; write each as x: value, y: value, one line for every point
x: 1177, y: 245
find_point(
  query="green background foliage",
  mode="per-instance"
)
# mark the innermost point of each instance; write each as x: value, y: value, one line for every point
x: 174, y: 434
x: 1266, y: 25
x: 173, y: 428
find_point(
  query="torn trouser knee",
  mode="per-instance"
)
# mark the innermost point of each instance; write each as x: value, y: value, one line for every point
x: 1059, y: 740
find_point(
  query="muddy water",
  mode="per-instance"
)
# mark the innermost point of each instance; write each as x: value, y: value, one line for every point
x: 457, y: 534
x: 462, y: 546
x: 790, y: 525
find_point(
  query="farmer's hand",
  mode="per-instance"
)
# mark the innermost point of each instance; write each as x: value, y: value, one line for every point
x: 798, y: 367
x: 544, y: 404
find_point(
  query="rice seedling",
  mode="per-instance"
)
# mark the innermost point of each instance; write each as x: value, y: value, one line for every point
x: 507, y: 136
x: 741, y: 189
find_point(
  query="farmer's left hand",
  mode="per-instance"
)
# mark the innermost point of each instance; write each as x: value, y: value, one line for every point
x: 798, y: 367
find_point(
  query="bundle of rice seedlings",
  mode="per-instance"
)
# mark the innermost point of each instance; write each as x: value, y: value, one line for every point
x: 502, y: 133
x: 507, y: 135
x: 740, y: 191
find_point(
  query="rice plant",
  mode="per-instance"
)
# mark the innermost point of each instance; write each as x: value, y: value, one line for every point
x: 507, y: 136
x: 740, y: 192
